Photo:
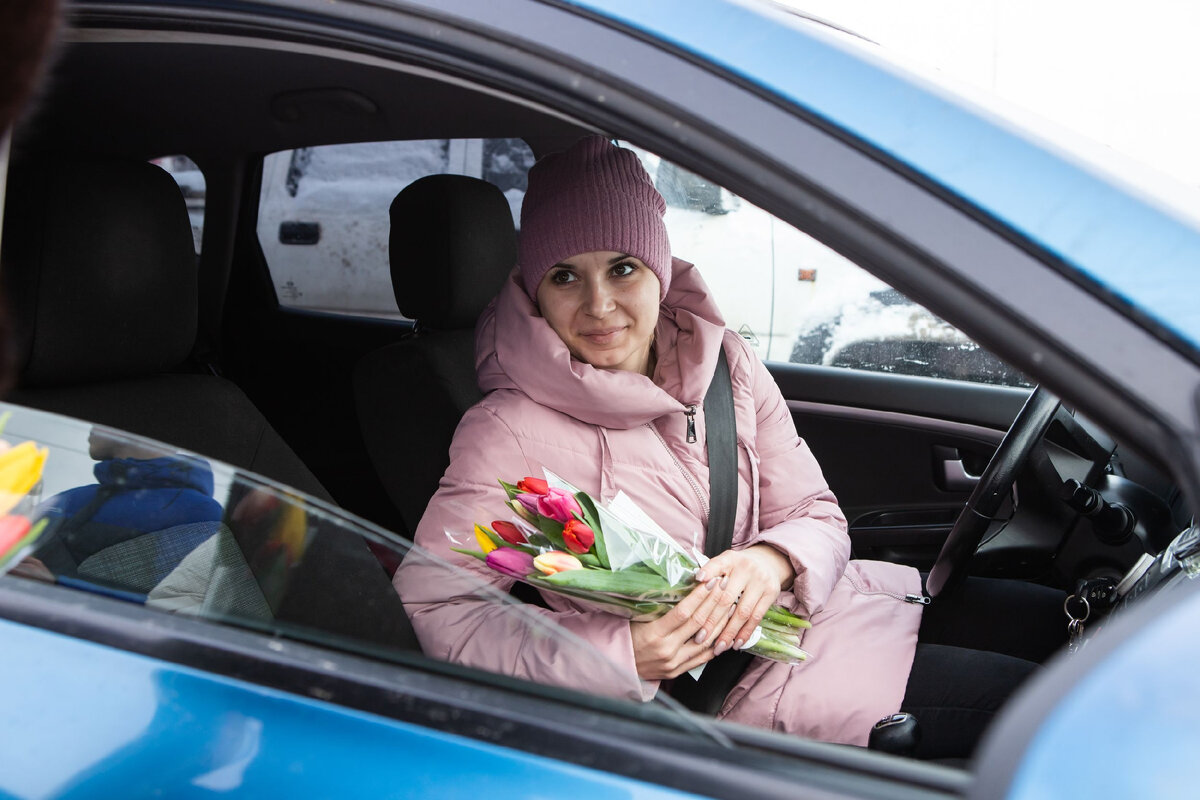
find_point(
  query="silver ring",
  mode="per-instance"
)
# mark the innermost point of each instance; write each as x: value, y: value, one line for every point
x: 1087, y: 608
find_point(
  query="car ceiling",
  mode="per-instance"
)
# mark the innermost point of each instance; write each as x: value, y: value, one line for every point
x: 146, y: 99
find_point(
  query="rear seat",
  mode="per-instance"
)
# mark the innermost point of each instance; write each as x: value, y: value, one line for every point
x: 101, y: 278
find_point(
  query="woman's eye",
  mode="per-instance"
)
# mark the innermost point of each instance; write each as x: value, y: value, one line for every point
x: 621, y: 270
x: 562, y: 276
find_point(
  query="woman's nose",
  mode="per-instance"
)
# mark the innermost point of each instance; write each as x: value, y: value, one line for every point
x: 599, y: 300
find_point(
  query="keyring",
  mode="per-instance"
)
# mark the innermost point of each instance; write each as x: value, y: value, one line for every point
x: 1087, y: 608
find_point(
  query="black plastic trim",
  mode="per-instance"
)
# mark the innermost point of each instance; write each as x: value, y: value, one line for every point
x: 959, y: 401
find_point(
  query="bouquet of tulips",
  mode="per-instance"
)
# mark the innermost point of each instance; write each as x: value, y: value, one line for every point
x: 20, y: 470
x: 562, y: 541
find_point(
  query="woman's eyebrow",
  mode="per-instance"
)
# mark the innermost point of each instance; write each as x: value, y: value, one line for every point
x: 618, y: 259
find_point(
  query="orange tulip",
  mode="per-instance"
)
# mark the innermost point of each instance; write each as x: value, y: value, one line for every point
x: 578, y: 536
x: 556, y: 561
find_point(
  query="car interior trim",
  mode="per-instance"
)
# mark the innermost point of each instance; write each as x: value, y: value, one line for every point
x: 959, y: 429
x: 128, y: 36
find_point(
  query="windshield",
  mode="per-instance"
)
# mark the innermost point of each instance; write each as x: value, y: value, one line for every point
x: 113, y: 514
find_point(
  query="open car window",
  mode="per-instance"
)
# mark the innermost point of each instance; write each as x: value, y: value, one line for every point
x: 793, y: 299
x: 132, y: 519
x: 323, y: 213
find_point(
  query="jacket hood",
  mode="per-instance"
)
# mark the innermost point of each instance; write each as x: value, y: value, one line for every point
x: 515, y: 348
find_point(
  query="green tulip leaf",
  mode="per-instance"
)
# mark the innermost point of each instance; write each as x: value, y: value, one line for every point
x: 592, y: 519
x: 552, y: 530
x: 472, y: 553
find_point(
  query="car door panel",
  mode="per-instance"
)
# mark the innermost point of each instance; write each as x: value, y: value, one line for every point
x: 898, y: 451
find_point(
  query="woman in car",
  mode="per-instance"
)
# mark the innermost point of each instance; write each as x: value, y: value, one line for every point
x: 595, y: 359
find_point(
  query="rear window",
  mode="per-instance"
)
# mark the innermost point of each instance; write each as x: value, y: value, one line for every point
x: 323, y: 213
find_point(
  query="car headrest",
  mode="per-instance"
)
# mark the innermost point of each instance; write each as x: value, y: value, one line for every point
x: 451, y: 246
x: 99, y: 268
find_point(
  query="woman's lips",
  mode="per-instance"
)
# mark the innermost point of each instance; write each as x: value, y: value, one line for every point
x: 602, y: 336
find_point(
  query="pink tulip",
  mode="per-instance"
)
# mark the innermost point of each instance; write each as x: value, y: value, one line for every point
x: 510, y: 562
x: 556, y: 561
x: 578, y: 536
x: 529, y: 502
x: 508, y: 532
x: 557, y: 505
x: 521, y: 511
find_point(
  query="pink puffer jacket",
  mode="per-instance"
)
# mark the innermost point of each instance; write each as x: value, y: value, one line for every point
x: 609, y: 431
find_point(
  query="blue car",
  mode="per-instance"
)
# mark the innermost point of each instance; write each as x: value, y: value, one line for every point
x: 244, y: 382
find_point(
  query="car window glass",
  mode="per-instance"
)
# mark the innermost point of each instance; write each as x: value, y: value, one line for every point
x: 191, y: 183
x: 796, y: 300
x: 124, y: 517
x: 323, y: 213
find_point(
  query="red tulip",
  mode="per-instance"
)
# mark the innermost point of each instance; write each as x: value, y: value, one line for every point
x: 533, y: 485
x: 508, y: 532
x: 13, y: 528
x: 578, y: 536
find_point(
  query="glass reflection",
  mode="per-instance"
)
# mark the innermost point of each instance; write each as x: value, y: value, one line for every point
x: 142, y: 522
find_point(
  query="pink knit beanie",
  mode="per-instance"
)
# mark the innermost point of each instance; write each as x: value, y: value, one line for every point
x: 592, y: 196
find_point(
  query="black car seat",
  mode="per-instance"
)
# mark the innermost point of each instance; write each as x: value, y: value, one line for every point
x: 101, y: 280
x: 452, y: 244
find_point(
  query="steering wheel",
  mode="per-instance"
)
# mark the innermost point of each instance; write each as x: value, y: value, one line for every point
x: 994, y: 485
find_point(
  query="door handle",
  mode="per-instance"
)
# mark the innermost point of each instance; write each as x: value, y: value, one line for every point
x: 955, y: 476
x: 952, y: 473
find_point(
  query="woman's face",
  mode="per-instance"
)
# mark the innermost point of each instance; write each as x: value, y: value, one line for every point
x: 604, y: 306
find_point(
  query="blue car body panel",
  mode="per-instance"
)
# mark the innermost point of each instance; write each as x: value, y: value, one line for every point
x: 84, y: 720
x: 1127, y: 729
x: 1109, y: 233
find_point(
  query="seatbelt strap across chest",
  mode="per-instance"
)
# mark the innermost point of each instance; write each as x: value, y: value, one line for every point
x: 720, y: 432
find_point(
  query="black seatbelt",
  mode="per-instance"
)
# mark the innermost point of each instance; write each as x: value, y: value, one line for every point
x: 720, y: 429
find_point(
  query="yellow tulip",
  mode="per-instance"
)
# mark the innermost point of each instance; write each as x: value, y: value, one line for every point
x: 485, y: 542
x: 291, y: 530
x: 20, y: 470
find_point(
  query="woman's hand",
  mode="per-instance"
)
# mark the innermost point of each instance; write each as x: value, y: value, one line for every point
x: 671, y: 645
x: 748, y: 582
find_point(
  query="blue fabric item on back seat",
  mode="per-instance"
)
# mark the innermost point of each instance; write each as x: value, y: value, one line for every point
x: 452, y: 244
x: 102, y: 282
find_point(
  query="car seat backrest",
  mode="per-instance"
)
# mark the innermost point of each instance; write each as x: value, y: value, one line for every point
x: 100, y: 270
x: 102, y: 283
x: 101, y: 277
x: 452, y: 245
